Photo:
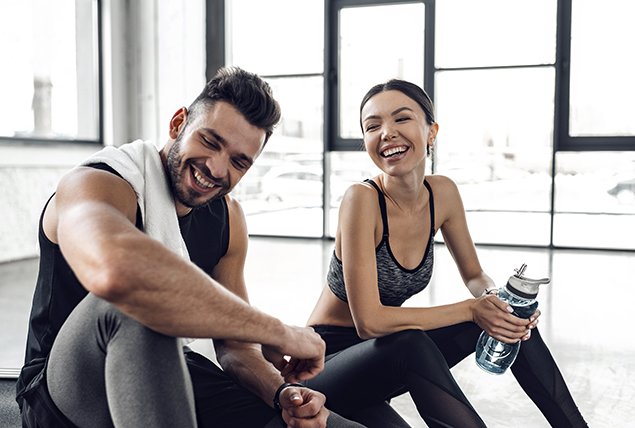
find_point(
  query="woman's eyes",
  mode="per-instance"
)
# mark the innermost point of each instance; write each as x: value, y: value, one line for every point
x: 398, y: 120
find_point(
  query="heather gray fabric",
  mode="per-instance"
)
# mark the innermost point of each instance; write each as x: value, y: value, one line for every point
x: 107, y: 369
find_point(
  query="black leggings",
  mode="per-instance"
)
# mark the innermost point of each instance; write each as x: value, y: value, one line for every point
x: 360, y: 373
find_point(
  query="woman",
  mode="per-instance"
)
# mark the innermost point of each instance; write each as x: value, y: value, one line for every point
x: 384, y: 254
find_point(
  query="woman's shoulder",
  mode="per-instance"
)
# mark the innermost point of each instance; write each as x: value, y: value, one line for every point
x: 360, y: 198
x: 446, y: 194
x: 442, y: 185
x: 362, y: 192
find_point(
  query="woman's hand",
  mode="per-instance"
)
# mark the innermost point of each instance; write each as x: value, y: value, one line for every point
x: 495, y: 317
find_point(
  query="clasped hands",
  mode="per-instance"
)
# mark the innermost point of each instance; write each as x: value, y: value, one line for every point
x: 300, y: 358
x: 495, y: 317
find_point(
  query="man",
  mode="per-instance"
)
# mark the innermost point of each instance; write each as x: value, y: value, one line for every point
x: 139, y: 248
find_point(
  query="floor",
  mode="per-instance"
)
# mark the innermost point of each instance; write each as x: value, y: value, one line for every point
x: 586, y: 320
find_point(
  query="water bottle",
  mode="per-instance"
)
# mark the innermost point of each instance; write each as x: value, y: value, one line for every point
x: 520, y: 293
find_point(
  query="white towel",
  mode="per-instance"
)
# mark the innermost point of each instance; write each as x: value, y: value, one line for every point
x: 139, y: 163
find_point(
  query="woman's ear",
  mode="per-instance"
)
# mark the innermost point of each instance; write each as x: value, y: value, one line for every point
x: 177, y: 123
x: 432, y: 134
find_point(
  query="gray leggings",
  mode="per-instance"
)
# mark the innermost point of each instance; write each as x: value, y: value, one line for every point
x: 106, y: 370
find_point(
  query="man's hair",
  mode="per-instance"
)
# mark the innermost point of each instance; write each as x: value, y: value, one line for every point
x: 244, y: 91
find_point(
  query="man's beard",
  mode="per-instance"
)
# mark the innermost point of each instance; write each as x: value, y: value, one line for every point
x: 177, y: 170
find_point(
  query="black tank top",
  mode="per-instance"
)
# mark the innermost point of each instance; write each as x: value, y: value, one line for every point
x: 57, y: 291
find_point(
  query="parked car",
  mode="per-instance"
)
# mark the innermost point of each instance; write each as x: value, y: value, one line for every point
x: 299, y: 185
x: 624, y: 191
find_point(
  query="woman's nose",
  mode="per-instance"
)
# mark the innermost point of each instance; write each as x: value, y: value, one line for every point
x: 388, y: 132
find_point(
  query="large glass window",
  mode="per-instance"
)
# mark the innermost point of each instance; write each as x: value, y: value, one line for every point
x: 368, y: 56
x: 504, y: 75
x: 602, y: 68
x: 494, y: 33
x: 49, y: 81
x: 282, y: 193
x: 495, y: 106
x: 595, y: 200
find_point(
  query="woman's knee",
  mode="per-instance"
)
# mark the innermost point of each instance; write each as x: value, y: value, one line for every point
x: 408, y: 342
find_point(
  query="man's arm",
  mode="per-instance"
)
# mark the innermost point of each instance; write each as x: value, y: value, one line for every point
x: 245, y: 361
x: 92, y: 219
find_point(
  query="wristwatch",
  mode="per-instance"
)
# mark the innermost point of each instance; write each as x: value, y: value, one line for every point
x: 276, y: 398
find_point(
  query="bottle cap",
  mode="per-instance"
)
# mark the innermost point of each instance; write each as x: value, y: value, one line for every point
x: 525, y: 287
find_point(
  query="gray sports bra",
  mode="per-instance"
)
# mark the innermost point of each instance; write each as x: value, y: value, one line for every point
x: 396, y: 283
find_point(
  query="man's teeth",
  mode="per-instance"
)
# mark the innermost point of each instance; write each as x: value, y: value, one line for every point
x: 202, y: 181
x: 393, y: 151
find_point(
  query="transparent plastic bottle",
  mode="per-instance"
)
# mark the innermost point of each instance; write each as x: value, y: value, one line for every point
x: 520, y: 293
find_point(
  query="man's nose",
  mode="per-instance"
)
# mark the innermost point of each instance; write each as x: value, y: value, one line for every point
x: 218, y: 165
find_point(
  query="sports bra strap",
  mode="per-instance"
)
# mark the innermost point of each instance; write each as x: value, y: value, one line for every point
x: 431, y: 200
x: 382, y: 205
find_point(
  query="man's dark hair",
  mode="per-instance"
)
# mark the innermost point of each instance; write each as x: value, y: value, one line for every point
x: 244, y: 91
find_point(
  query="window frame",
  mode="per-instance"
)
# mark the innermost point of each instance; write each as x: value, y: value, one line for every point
x: 39, y: 141
x: 563, y: 141
x: 333, y: 142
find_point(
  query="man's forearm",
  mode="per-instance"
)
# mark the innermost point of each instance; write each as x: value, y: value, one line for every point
x: 245, y: 363
x: 158, y: 288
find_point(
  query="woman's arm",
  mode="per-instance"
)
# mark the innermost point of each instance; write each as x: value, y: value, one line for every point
x: 489, y: 312
x: 359, y: 229
x: 357, y: 251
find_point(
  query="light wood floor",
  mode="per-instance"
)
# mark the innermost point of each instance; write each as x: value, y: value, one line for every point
x: 586, y: 320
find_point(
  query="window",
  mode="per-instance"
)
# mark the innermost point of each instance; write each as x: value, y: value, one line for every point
x: 51, y: 89
x: 495, y: 107
x: 282, y: 194
x: 601, y: 42
x: 595, y: 200
x: 523, y: 90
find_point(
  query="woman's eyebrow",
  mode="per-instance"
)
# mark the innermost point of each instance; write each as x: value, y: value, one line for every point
x: 399, y: 110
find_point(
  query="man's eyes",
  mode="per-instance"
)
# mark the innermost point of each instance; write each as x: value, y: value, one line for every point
x: 210, y: 144
x: 238, y: 164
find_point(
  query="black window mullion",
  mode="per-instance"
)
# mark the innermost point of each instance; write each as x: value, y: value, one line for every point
x: 563, y: 141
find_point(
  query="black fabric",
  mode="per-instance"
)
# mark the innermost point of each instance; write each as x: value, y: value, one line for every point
x: 221, y: 401
x: 57, y: 291
x: 379, y: 369
x: 372, y: 371
x: 38, y: 409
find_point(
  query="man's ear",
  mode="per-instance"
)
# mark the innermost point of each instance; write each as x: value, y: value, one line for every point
x: 177, y: 123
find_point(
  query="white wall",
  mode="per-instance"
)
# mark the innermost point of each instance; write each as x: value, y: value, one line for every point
x: 154, y: 63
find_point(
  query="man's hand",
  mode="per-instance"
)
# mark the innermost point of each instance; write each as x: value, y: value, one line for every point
x: 495, y: 317
x: 303, y: 407
x: 300, y: 357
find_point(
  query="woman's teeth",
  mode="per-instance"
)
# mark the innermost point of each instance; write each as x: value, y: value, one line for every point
x: 393, y: 151
x: 201, y: 181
